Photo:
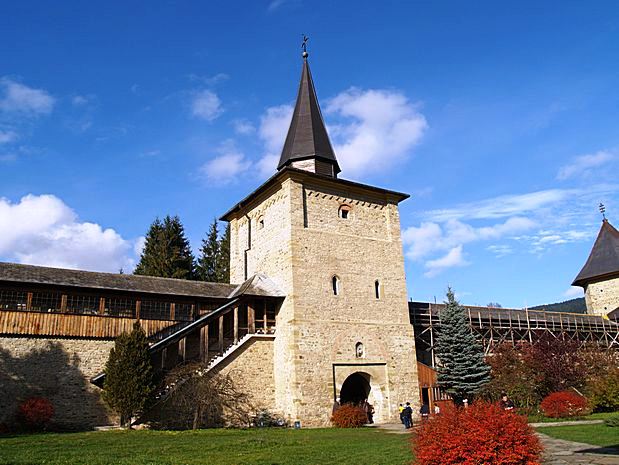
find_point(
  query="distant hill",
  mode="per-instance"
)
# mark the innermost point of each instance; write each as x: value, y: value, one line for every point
x: 568, y: 306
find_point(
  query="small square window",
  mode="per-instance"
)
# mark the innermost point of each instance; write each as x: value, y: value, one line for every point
x: 344, y: 211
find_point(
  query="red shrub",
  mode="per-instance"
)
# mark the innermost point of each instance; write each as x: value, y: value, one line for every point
x: 349, y: 416
x: 483, y: 433
x: 564, y: 404
x: 36, y: 412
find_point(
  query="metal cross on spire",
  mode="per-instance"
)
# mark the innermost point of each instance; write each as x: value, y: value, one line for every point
x: 602, y: 210
x: 304, y: 45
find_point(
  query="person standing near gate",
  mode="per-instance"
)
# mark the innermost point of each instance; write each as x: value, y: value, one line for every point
x: 407, y: 414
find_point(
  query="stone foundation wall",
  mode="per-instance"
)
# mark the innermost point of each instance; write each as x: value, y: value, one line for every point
x: 251, y: 369
x: 58, y: 369
x: 602, y: 297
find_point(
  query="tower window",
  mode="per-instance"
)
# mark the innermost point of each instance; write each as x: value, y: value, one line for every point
x: 344, y: 211
x: 261, y: 222
x: 377, y: 289
x: 335, y: 284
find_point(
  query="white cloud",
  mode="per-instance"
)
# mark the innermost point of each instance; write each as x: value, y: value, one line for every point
x: 243, y: 127
x: 43, y: 230
x: 274, y: 124
x: 372, y: 129
x: 224, y: 168
x: 573, y: 292
x: 79, y: 100
x: 535, y: 222
x: 451, y: 259
x: 432, y: 237
x: 7, y: 136
x: 210, y: 80
x: 379, y: 129
x: 502, y: 206
x: 500, y: 250
x: 206, y: 105
x: 22, y: 100
x: 584, y: 164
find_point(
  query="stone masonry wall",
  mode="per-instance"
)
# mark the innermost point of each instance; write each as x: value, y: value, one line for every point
x: 58, y: 369
x: 270, y: 252
x: 602, y: 297
x: 251, y: 368
x: 360, y: 250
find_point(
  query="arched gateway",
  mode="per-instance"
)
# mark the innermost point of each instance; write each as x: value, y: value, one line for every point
x: 356, y: 389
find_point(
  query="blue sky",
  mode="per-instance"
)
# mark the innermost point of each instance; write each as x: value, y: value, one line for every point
x: 500, y: 119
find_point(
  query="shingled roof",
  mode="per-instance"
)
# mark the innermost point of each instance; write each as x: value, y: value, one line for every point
x: 307, y: 137
x: 604, y: 257
x: 12, y: 272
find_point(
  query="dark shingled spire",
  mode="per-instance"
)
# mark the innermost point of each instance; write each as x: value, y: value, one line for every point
x: 307, y: 137
x: 604, y: 257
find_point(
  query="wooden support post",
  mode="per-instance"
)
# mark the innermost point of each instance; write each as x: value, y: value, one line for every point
x: 29, y: 301
x: 164, y: 356
x: 236, y: 324
x: 251, y: 318
x: 138, y: 307
x: 264, y: 308
x: 63, y: 303
x: 181, y: 349
x: 101, y: 305
x: 204, y: 343
x: 172, y: 311
x: 221, y: 334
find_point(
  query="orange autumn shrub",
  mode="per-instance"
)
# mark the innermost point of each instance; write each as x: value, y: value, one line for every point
x: 484, y: 433
x: 349, y: 416
x: 564, y: 404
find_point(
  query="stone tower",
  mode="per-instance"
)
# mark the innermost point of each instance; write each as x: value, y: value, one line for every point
x: 334, y: 248
x: 600, y: 275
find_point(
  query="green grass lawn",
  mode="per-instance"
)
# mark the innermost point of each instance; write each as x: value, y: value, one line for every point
x: 597, y: 435
x: 217, y: 446
x: 592, y: 416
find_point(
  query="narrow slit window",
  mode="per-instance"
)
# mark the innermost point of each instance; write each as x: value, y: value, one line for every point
x: 377, y: 289
x: 261, y: 222
x: 335, y: 283
x: 344, y: 212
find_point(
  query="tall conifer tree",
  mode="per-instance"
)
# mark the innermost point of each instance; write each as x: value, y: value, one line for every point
x: 209, y: 255
x: 166, y: 253
x: 462, y: 371
x: 128, y: 375
x: 223, y: 257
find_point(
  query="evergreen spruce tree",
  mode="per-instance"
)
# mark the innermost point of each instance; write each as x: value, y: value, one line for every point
x: 223, y: 258
x: 462, y: 371
x: 209, y: 255
x: 166, y: 251
x: 128, y: 375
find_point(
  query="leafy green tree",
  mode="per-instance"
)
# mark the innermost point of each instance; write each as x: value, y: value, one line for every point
x: 223, y: 258
x: 209, y: 254
x: 166, y: 253
x: 128, y: 375
x: 462, y: 371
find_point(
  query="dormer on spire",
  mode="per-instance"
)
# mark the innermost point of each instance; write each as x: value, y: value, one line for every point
x: 307, y: 144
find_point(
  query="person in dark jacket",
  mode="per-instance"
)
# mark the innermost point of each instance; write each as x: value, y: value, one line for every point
x: 408, y: 416
x: 425, y: 412
x: 506, y: 402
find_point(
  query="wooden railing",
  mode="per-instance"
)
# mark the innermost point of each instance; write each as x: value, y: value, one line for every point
x: 67, y: 325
